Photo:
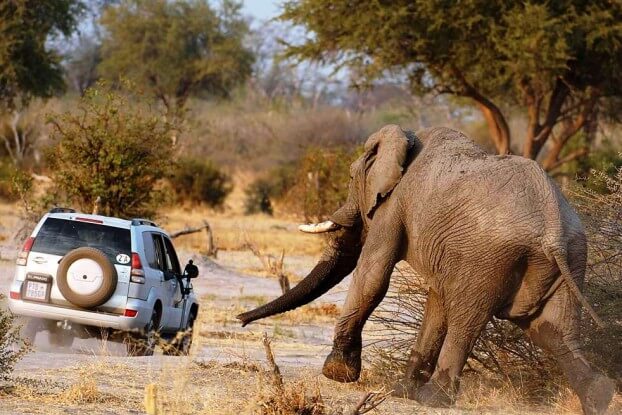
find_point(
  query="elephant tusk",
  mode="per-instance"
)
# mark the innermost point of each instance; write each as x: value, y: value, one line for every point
x: 327, y: 226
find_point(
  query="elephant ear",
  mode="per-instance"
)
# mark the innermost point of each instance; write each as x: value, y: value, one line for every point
x: 390, y: 147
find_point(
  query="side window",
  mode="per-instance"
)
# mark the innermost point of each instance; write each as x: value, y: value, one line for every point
x: 150, y: 252
x: 159, y: 252
x: 172, y: 263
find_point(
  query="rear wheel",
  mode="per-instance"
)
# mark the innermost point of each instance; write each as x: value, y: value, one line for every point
x: 144, y: 343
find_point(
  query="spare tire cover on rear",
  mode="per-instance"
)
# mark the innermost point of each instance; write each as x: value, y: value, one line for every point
x: 86, y: 277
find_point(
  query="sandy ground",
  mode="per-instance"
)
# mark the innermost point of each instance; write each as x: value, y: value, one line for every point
x: 225, y: 373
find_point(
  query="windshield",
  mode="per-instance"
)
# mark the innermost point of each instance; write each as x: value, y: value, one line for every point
x: 59, y: 236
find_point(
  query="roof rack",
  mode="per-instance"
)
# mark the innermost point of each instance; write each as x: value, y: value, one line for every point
x: 139, y: 222
x: 62, y: 210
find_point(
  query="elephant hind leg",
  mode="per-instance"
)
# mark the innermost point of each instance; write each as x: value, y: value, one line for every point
x: 462, y: 332
x: 424, y: 354
x: 556, y: 329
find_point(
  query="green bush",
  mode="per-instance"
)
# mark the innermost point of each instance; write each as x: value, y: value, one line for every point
x: 258, y: 197
x: 320, y: 183
x: 200, y: 182
x: 12, y: 347
x: 114, y: 147
x: 7, y: 171
x: 262, y: 192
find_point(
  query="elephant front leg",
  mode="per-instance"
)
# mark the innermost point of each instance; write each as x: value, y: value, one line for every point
x: 367, y: 289
x: 426, y: 350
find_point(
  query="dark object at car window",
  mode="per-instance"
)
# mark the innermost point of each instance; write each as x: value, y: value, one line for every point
x: 172, y: 263
x: 59, y: 236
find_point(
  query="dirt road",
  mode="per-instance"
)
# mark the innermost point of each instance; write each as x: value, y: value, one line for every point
x: 224, y: 375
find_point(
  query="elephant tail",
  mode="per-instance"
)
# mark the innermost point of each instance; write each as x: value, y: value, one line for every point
x: 562, y: 264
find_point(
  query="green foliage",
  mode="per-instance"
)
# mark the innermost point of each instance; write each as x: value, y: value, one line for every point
x: 27, y: 65
x: 553, y: 60
x: 518, y: 44
x: 176, y: 49
x: 200, y: 182
x: 12, y: 346
x: 262, y: 192
x: 320, y: 183
x: 114, y: 148
x: 7, y: 171
x: 258, y: 197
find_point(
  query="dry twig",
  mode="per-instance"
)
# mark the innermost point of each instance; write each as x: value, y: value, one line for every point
x: 370, y: 401
x: 272, y: 265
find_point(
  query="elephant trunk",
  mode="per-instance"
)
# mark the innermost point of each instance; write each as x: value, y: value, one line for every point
x: 338, y: 261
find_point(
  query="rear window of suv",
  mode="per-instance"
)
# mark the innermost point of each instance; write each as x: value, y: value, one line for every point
x: 59, y: 236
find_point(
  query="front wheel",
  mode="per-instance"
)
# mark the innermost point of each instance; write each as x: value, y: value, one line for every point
x: 182, y: 342
x: 144, y: 343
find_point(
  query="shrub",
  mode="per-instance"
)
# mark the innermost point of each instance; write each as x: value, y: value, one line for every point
x: 7, y: 171
x: 320, y: 183
x: 258, y: 197
x: 200, y: 182
x: 12, y: 347
x: 601, y: 208
x: 115, y: 148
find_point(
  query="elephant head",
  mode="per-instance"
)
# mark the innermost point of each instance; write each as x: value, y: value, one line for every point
x: 373, y: 177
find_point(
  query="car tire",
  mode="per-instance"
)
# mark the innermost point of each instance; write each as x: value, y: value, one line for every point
x: 144, y: 343
x: 181, y: 344
x: 99, y: 277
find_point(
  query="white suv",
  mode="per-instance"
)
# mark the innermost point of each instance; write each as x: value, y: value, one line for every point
x: 90, y: 275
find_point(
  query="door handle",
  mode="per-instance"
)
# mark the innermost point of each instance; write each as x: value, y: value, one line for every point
x: 40, y: 260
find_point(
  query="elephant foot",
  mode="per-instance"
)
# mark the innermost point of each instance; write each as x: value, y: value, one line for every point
x: 432, y: 394
x: 343, y: 367
x: 597, y: 396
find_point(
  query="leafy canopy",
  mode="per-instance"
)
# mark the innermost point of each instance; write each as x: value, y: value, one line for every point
x: 176, y: 48
x: 113, y: 148
x: 28, y: 67
x: 556, y: 60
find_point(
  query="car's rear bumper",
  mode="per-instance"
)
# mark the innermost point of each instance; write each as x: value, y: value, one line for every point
x: 87, y: 318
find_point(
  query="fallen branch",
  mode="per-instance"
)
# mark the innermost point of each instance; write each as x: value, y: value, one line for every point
x: 370, y: 401
x: 211, y: 249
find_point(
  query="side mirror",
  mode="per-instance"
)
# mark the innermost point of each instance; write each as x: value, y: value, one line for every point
x: 191, y: 270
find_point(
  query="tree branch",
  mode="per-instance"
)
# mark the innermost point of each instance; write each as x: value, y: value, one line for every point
x: 497, y: 125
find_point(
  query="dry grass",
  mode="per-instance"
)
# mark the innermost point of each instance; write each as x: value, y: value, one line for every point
x: 232, y: 231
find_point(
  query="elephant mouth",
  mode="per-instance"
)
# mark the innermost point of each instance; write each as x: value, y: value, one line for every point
x: 322, y: 227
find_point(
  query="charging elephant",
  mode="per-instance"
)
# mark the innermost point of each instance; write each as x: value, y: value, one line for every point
x: 491, y: 236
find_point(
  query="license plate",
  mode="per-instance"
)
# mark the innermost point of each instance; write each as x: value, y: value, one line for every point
x: 37, y: 291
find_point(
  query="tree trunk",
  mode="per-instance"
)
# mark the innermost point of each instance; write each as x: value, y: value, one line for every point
x: 497, y: 125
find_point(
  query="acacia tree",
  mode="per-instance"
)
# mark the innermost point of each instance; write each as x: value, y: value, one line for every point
x: 556, y: 61
x: 28, y: 66
x: 176, y: 48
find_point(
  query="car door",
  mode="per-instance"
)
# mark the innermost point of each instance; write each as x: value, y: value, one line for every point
x: 158, y: 273
x: 173, y: 271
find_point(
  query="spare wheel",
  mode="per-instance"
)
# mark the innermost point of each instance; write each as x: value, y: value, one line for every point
x: 86, y: 277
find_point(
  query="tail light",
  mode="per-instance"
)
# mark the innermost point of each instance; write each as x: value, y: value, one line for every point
x: 137, y: 274
x: 15, y: 295
x: 130, y: 313
x: 22, y: 258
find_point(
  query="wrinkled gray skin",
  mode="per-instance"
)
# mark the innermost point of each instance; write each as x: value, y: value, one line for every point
x: 489, y: 234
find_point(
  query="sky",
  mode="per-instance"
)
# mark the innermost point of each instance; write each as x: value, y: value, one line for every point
x: 261, y: 9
